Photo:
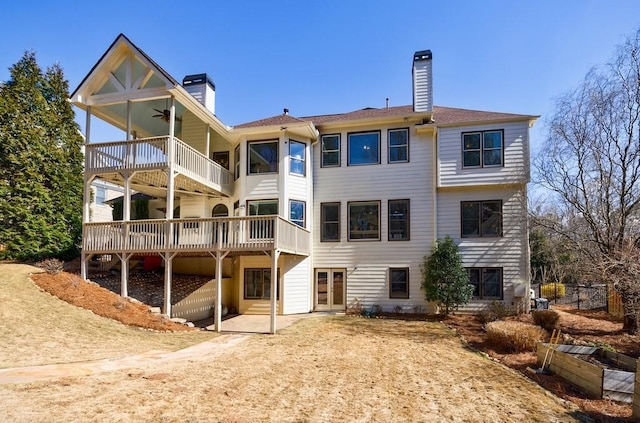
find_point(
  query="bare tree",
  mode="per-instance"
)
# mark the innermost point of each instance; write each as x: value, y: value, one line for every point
x: 591, y: 161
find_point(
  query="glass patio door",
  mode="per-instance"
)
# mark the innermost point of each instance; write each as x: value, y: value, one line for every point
x: 330, y: 289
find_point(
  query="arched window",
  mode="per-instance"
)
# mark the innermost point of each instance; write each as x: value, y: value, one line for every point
x: 220, y: 211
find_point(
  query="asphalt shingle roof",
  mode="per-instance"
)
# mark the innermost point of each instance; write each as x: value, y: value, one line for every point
x: 441, y: 116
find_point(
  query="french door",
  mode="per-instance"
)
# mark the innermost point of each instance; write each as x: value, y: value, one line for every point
x: 330, y: 289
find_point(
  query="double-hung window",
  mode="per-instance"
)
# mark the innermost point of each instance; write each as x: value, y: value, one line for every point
x: 363, y: 148
x: 297, y: 212
x: 398, y: 220
x: 263, y: 157
x: 481, y: 218
x: 329, y: 222
x: 399, y: 282
x: 297, y: 158
x: 486, y: 281
x: 398, y: 145
x: 483, y: 149
x: 330, y: 145
x: 364, y: 220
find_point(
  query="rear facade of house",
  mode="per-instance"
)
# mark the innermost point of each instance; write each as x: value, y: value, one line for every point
x: 331, y: 210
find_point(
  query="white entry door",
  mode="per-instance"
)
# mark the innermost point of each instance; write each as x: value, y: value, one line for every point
x: 330, y: 289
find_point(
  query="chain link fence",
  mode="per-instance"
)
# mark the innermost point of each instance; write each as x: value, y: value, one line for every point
x: 580, y: 296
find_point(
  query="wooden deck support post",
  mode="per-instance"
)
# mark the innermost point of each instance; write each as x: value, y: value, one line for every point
x: 124, y: 274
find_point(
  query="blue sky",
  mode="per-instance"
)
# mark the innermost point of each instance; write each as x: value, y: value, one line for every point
x: 317, y: 57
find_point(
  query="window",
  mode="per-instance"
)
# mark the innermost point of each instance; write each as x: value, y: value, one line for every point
x: 262, y: 229
x: 263, y: 157
x: 364, y: 220
x: 297, y: 157
x: 330, y: 150
x: 481, y: 218
x: 257, y: 284
x: 482, y: 149
x: 297, y: 212
x: 398, y: 220
x: 486, y: 281
x: 236, y: 163
x: 399, y: 283
x: 330, y: 222
x: 101, y: 195
x: 398, y: 145
x: 222, y: 158
x: 364, y: 148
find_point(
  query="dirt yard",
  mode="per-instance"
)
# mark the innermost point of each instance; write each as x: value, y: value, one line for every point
x: 321, y: 369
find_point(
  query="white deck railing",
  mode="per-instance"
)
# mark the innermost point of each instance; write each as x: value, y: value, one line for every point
x: 153, y: 153
x: 254, y: 233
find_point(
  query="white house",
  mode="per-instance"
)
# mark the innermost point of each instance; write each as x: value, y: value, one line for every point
x: 331, y: 209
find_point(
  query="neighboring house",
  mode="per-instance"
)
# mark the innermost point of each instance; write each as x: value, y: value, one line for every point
x: 102, y: 193
x: 331, y: 209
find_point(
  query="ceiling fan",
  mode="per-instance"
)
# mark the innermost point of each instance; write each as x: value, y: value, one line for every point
x: 165, y: 114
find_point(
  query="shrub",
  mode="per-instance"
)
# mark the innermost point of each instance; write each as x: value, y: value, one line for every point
x: 546, y: 319
x: 512, y: 336
x: 552, y: 291
x: 496, y: 310
x: 51, y: 266
x: 354, y: 308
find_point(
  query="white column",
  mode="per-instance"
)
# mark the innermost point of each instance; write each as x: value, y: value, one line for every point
x: 86, y: 195
x: 218, y: 306
x: 274, y: 288
x: 124, y: 274
x: 168, y: 264
x: 128, y: 120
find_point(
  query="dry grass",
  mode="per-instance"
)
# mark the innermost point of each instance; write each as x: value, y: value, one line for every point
x: 38, y: 328
x: 512, y: 336
x: 330, y: 369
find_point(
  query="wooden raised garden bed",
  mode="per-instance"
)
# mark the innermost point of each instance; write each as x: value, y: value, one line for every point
x: 598, y: 372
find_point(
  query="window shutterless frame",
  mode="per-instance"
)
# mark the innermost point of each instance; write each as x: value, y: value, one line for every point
x: 364, y: 220
x: 398, y: 145
x: 297, y: 158
x: 297, y: 212
x: 483, y: 149
x: 481, y: 219
x: 398, y: 220
x: 330, y: 150
x: 363, y: 148
x: 487, y: 282
x: 262, y: 157
x: 399, y: 282
x: 329, y: 222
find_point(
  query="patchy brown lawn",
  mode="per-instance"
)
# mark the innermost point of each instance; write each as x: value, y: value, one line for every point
x: 324, y: 369
x: 579, y: 326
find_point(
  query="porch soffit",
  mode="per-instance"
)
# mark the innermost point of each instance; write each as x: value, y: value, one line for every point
x: 126, y: 73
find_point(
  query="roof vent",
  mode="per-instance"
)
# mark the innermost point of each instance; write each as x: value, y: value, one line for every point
x: 286, y: 111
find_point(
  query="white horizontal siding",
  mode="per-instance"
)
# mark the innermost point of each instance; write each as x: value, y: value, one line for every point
x: 296, y: 288
x: 510, y: 252
x: 194, y: 132
x: 516, y: 156
x: 368, y: 262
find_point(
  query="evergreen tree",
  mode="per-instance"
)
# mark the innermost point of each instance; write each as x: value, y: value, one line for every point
x: 444, y: 279
x: 41, y: 165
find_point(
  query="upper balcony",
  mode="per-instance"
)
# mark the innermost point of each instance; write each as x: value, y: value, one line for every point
x: 148, y: 160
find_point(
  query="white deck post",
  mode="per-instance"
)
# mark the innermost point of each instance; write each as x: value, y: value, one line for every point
x: 124, y: 275
x: 274, y: 288
x: 218, y: 306
x: 86, y: 196
x: 168, y: 263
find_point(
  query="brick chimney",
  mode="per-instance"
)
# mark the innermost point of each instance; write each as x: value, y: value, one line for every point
x: 422, y: 81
